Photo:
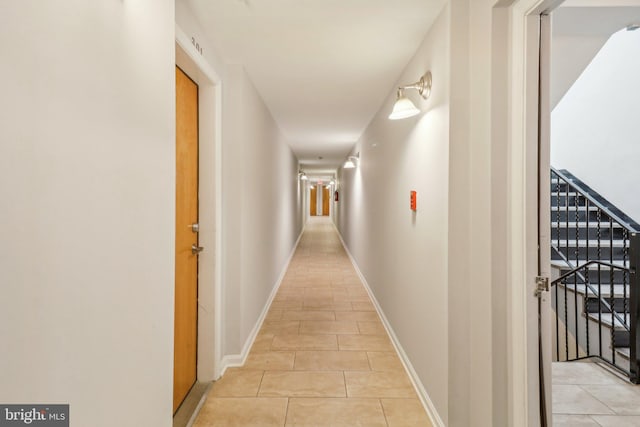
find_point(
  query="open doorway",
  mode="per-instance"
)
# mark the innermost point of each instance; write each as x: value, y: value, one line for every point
x: 320, y: 198
x: 529, y: 135
x: 594, y: 69
x: 520, y: 168
x: 521, y: 38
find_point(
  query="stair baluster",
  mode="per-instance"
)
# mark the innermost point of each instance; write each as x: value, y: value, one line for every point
x: 604, y: 307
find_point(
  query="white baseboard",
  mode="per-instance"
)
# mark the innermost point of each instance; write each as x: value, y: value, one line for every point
x: 235, y: 360
x: 427, y: 403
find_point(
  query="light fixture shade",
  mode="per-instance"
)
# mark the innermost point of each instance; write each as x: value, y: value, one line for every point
x: 349, y: 164
x: 403, y: 108
x: 304, y: 177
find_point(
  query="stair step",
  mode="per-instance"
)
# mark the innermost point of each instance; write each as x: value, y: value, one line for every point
x: 597, y: 305
x: 564, y: 193
x: 625, y: 352
x: 605, y: 290
x: 607, y: 320
x: 555, y: 208
x: 582, y: 243
x: 561, y: 264
x: 583, y: 224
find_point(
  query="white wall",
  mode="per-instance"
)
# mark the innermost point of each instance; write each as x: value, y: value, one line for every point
x: 261, y: 197
x: 465, y: 299
x: 492, y: 213
x: 87, y: 214
x: 571, y: 54
x: 595, y: 128
x: 578, y: 33
x: 270, y: 223
x: 402, y: 254
x: 261, y: 216
x: 480, y: 375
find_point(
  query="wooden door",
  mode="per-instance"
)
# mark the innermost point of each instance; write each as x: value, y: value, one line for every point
x: 325, y: 201
x: 186, y: 268
x: 313, y: 202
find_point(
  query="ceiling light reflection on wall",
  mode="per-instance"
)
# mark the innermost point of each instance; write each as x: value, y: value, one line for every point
x: 404, y: 107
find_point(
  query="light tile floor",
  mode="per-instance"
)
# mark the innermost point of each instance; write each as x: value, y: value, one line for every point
x: 586, y: 394
x: 322, y: 357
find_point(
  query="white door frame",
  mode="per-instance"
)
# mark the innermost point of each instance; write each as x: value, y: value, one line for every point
x: 209, y: 203
x: 517, y: 124
x: 544, y: 204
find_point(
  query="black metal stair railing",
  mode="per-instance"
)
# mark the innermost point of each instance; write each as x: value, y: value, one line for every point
x: 577, y: 293
x: 597, y: 248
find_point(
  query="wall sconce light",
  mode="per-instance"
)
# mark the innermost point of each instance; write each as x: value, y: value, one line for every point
x: 403, y: 107
x: 351, y: 162
x: 302, y: 175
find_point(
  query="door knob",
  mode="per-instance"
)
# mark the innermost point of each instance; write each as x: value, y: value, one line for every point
x: 196, y: 249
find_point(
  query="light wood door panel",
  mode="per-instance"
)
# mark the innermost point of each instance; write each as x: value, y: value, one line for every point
x: 325, y: 201
x: 313, y: 202
x: 186, y: 274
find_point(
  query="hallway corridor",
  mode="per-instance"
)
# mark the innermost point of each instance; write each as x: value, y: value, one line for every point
x: 322, y: 356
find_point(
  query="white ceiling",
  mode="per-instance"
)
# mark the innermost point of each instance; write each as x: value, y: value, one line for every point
x: 578, y: 34
x: 323, y: 67
x: 594, y: 20
x: 600, y: 3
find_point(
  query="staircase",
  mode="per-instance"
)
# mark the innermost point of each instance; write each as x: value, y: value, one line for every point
x: 593, y: 246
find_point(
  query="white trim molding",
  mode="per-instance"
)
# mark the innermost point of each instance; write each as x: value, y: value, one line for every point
x: 520, y: 63
x: 210, y: 289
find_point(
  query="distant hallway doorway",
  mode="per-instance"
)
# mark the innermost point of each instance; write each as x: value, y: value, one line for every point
x: 319, y: 197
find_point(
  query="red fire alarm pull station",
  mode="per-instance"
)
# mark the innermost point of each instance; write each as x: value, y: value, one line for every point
x: 414, y: 202
x: 335, y: 196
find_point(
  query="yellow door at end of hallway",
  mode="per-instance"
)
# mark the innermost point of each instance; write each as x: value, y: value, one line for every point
x: 186, y: 268
x: 325, y: 201
x: 313, y: 202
